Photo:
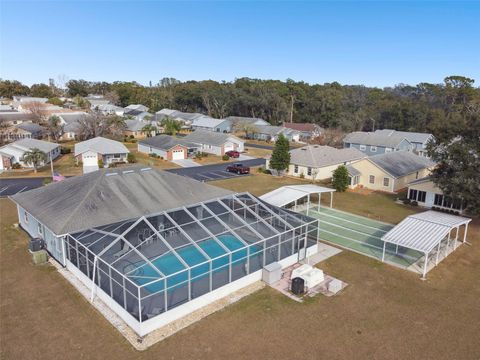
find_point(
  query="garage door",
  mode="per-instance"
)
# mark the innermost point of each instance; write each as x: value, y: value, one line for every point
x: 178, y: 154
x: 228, y: 147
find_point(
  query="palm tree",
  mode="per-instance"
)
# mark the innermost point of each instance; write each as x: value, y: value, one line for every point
x: 171, y: 126
x: 35, y: 157
x: 149, y: 129
x: 116, y: 125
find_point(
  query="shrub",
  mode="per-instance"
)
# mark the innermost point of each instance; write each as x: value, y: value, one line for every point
x: 260, y: 170
x: 100, y: 164
x: 132, y: 137
x: 406, y: 201
x: 340, y: 178
x: 414, y: 203
x: 16, y: 166
x: 153, y: 155
x: 225, y: 157
x: 46, y: 181
x: 302, y: 176
x: 268, y: 172
x: 131, y: 158
x: 65, y: 150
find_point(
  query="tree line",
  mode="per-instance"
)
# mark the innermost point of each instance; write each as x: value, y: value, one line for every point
x: 424, y: 107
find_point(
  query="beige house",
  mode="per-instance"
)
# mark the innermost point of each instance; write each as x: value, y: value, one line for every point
x: 318, y: 162
x: 389, y: 172
x: 429, y: 195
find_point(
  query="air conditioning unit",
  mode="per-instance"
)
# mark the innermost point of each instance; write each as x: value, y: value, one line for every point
x: 36, y: 244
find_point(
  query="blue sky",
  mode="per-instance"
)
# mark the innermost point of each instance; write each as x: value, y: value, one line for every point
x: 371, y: 43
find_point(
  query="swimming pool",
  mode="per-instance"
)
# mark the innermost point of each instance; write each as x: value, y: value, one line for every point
x: 169, y: 264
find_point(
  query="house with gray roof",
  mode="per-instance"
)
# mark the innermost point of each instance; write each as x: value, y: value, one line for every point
x: 239, y: 123
x: 16, y: 150
x: 24, y: 130
x: 216, y: 143
x: 104, y: 197
x: 99, y: 149
x: 210, y: 124
x: 13, y: 117
x: 71, y: 124
x: 110, y: 109
x: 271, y: 133
x: 384, y: 141
x: 318, y: 162
x: 168, y: 147
x: 389, y: 172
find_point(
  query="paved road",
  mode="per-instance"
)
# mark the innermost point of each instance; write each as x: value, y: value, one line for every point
x: 12, y: 186
x: 213, y: 172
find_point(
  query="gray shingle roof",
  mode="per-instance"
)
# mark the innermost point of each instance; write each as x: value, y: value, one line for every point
x: 30, y: 127
x: 206, y: 121
x: 166, y: 142
x: 386, y: 139
x: 422, y: 180
x: 320, y: 156
x: 15, y: 116
x: 100, y: 145
x: 29, y: 144
x: 352, y: 171
x: 110, y: 195
x: 401, y: 163
x: 243, y: 119
x: 410, y: 136
x: 209, y: 137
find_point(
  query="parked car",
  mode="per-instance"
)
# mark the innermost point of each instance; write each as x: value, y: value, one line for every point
x: 238, y: 168
x: 233, y: 154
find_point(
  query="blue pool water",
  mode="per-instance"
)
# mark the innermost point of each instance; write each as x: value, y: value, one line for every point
x: 169, y: 264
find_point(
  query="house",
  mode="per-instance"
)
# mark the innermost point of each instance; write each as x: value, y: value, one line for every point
x: 9, y: 118
x: 110, y: 109
x: 25, y: 130
x: 240, y: 123
x: 186, y: 119
x: 427, y: 194
x: 167, y: 147
x: 71, y: 124
x: 137, y: 114
x: 318, y: 162
x: 29, y: 99
x: 271, y: 133
x: 137, y: 230
x: 214, y: 142
x: 97, y: 101
x: 307, y: 131
x: 418, y: 140
x: 389, y: 172
x: 135, y: 128
x: 210, y: 124
x: 92, y: 151
x: 15, y: 151
x: 384, y: 141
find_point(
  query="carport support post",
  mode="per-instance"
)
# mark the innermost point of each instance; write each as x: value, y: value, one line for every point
x: 319, y: 200
x: 331, y: 199
x: 308, y: 203
x: 295, y: 208
x: 438, y: 253
x: 425, y: 267
x: 448, y: 243
x: 465, y: 233
x: 457, y: 229
x: 383, y: 254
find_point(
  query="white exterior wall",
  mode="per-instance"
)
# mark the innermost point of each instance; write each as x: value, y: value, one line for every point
x: 146, y: 149
x: 178, y: 312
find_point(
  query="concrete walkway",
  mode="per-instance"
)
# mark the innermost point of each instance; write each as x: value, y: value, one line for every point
x: 186, y: 163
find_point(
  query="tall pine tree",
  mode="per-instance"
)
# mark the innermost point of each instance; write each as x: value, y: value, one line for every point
x: 280, y: 156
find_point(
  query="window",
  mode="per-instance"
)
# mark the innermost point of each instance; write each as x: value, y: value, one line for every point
x: 295, y: 169
x: 373, y: 148
x: 371, y: 179
x: 25, y: 217
x: 387, y: 150
x: 309, y: 171
x: 413, y: 194
x: 386, y: 181
x: 438, y: 200
x: 421, y: 196
x: 40, y: 229
x: 363, y: 147
x: 116, y: 156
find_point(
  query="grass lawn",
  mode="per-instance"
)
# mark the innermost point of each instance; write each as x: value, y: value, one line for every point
x: 385, y: 313
x: 64, y: 164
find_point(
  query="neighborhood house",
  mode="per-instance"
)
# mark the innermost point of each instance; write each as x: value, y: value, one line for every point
x: 13, y: 153
x: 215, y: 143
x: 429, y: 195
x: 167, y: 147
x: 91, y: 152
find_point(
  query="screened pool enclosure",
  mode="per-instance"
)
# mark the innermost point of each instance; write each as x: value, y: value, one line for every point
x: 153, y: 264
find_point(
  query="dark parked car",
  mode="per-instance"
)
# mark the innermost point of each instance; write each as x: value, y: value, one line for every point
x: 238, y: 168
x: 233, y: 154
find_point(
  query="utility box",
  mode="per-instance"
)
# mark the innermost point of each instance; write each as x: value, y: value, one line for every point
x: 40, y: 257
x: 35, y: 244
x: 272, y: 273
